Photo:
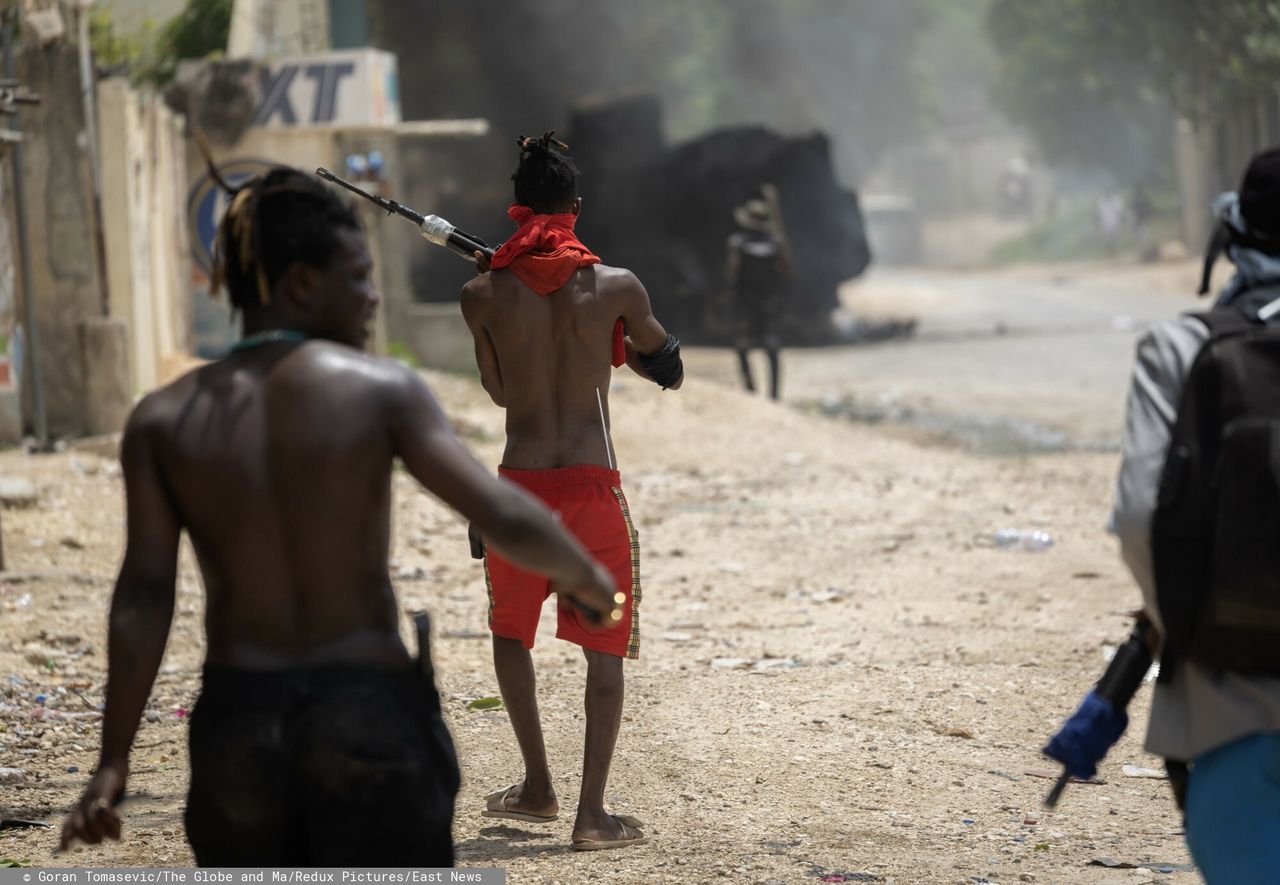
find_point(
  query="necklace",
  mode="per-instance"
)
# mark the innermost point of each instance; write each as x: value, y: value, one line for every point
x: 270, y: 336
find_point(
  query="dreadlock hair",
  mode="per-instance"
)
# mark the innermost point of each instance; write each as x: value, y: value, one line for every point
x: 546, y: 179
x: 274, y: 220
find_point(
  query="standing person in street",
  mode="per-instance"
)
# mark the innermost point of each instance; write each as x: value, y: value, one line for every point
x: 1197, y: 514
x: 550, y: 322
x: 758, y: 272
x: 315, y: 741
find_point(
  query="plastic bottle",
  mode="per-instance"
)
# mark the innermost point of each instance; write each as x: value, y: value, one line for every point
x: 1023, y: 539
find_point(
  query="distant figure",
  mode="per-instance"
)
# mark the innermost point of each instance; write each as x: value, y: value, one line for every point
x: 315, y: 741
x: 1015, y: 187
x: 758, y: 272
x: 1141, y: 211
x: 1110, y: 212
x: 550, y: 322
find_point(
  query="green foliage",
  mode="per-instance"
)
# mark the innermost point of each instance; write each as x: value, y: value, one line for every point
x: 400, y: 352
x: 151, y: 54
x: 200, y: 30
x: 1096, y: 81
x: 114, y: 51
x: 1069, y: 73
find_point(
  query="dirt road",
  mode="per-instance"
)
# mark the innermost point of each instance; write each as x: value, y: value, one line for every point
x: 841, y: 680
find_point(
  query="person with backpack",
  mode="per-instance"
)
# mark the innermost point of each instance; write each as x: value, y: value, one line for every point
x: 758, y: 271
x: 1197, y: 512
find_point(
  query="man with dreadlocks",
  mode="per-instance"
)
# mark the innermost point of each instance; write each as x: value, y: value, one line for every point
x: 549, y: 323
x: 314, y: 742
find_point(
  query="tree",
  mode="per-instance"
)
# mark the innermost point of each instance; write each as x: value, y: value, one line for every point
x: 1097, y: 82
x: 152, y: 54
x: 1069, y: 73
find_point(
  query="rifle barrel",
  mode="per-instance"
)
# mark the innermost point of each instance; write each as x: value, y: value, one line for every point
x: 390, y: 206
x: 432, y: 227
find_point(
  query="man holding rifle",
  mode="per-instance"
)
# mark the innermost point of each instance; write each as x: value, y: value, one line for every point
x: 315, y: 743
x: 549, y: 322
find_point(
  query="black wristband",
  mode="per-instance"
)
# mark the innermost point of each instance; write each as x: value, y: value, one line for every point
x: 664, y: 365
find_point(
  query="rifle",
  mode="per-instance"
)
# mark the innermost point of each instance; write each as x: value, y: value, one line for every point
x: 1101, y: 719
x: 433, y: 228
x: 436, y: 230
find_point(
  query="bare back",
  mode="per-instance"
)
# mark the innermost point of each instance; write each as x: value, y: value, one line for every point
x: 278, y: 463
x: 553, y: 353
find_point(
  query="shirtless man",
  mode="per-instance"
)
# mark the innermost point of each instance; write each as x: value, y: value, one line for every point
x: 549, y: 322
x: 314, y: 742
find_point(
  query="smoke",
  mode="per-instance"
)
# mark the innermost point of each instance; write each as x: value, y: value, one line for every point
x: 846, y: 67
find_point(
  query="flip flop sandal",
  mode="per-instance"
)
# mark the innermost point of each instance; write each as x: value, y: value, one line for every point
x: 495, y: 805
x: 629, y: 825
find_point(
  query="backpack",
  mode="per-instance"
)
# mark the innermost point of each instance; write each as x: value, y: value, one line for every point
x: 1215, y: 535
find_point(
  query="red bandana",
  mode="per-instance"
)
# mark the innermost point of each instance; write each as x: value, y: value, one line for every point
x: 544, y: 253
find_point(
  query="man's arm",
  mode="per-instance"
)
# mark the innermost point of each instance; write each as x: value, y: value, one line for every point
x: 474, y: 298
x: 514, y: 522
x: 141, y: 613
x: 645, y: 335
x: 1163, y: 360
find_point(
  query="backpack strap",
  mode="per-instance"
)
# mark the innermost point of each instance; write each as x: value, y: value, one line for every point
x: 1224, y: 320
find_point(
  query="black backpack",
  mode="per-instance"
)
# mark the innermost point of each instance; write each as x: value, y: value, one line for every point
x: 1215, y: 536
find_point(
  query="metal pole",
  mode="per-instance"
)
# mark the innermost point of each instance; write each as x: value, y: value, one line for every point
x: 87, y: 84
x: 31, y: 337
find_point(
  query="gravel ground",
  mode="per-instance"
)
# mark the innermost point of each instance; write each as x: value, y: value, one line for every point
x: 841, y: 679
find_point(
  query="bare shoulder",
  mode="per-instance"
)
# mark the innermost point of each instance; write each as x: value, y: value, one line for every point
x: 328, y: 362
x: 157, y: 412
x: 478, y: 290
x: 618, y: 282
x: 607, y: 275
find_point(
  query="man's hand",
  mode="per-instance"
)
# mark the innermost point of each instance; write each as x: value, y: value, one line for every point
x: 1153, y: 636
x: 482, y: 262
x: 596, y: 596
x: 94, y: 818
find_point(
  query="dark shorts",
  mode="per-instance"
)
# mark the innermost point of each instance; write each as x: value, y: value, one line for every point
x: 320, y: 767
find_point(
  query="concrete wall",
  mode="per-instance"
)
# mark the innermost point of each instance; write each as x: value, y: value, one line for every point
x: 104, y: 344
x: 10, y: 405
x: 59, y: 211
x: 144, y: 183
x: 438, y: 338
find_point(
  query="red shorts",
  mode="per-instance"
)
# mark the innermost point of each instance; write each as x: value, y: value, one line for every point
x: 588, y: 501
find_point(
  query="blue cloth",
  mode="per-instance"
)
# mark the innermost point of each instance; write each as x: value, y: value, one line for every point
x: 1233, y: 812
x: 1254, y: 269
x: 1087, y: 736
